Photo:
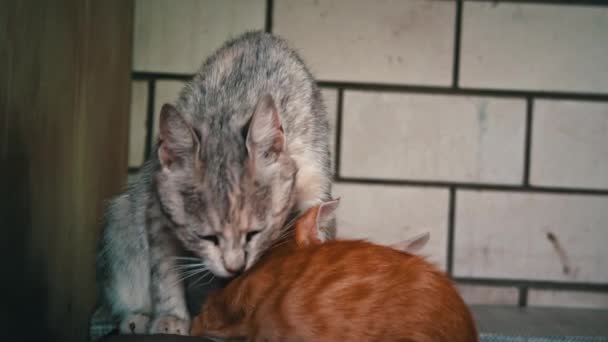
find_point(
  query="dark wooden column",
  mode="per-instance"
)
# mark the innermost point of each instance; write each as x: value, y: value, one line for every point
x: 64, y: 101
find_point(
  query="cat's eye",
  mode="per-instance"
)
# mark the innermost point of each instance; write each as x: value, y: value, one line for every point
x: 251, y: 234
x: 211, y: 238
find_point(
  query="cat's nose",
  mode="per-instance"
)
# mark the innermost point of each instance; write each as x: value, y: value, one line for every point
x: 234, y: 262
x: 236, y: 271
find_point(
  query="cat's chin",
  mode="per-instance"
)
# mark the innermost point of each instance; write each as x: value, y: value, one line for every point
x: 221, y: 273
x: 228, y: 275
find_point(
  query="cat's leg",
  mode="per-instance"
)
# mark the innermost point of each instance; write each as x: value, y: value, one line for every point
x: 124, y: 269
x: 126, y: 289
x: 135, y: 323
x: 170, y: 314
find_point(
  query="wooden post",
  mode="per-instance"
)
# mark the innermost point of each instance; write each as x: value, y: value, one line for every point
x: 64, y: 113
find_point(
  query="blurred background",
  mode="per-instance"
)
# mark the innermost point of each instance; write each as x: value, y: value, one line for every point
x: 484, y: 123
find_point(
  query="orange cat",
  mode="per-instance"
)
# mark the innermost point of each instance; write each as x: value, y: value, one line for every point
x: 305, y: 290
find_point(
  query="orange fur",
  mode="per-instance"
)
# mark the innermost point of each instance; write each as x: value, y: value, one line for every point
x: 305, y: 290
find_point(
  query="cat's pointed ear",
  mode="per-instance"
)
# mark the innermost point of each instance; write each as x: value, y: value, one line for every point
x: 307, y: 227
x: 265, y: 136
x: 326, y: 212
x: 177, y: 139
x: 413, y: 244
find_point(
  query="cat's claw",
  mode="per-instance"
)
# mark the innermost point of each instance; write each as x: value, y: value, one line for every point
x: 136, y: 323
x: 170, y: 325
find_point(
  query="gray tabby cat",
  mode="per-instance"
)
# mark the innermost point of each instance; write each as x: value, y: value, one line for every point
x: 244, y: 148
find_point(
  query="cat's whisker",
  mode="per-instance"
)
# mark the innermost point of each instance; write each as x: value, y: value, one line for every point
x: 287, y: 227
x: 209, y: 281
x: 279, y: 239
x: 188, y: 266
x: 181, y: 280
x: 194, y: 271
x: 201, y: 278
x: 286, y: 237
x: 279, y: 243
x: 186, y: 273
x: 185, y: 258
x: 289, y: 224
x: 284, y: 234
x: 189, y: 274
x: 188, y: 262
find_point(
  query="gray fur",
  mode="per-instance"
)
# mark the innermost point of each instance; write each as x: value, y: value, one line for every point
x: 244, y: 149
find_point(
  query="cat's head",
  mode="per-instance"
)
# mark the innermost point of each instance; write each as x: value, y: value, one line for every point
x: 224, y: 313
x: 227, y: 186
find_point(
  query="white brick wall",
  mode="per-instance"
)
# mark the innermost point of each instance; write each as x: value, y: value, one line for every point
x: 507, y: 235
x: 432, y: 137
x: 494, y: 295
x: 176, y: 38
x: 137, y: 136
x: 388, y: 215
x: 371, y: 41
x: 520, y: 139
x: 534, y: 46
x: 570, y: 144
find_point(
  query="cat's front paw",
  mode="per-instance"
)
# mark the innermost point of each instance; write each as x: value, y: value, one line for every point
x: 136, y: 323
x: 170, y: 325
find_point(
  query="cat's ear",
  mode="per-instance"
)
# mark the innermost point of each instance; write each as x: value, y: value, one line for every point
x: 265, y: 135
x: 308, y: 225
x: 177, y: 139
x: 412, y: 244
x: 326, y: 212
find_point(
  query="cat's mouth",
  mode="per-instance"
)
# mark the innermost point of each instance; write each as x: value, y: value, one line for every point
x: 235, y: 273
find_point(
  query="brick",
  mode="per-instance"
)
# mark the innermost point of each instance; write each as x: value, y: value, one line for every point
x: 387, y: 214
x: 371, y: 41
x: 570, y: 144
x: 571, y: 299
x: 177, y: 38
x: 534, y: 46
x: 432, y: 137
x: 137, y: 125
x: 512, y: 235
x: 488, y: 295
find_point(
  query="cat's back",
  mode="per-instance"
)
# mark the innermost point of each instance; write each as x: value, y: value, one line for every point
x: 355, y: 290
x: 233, y: 79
